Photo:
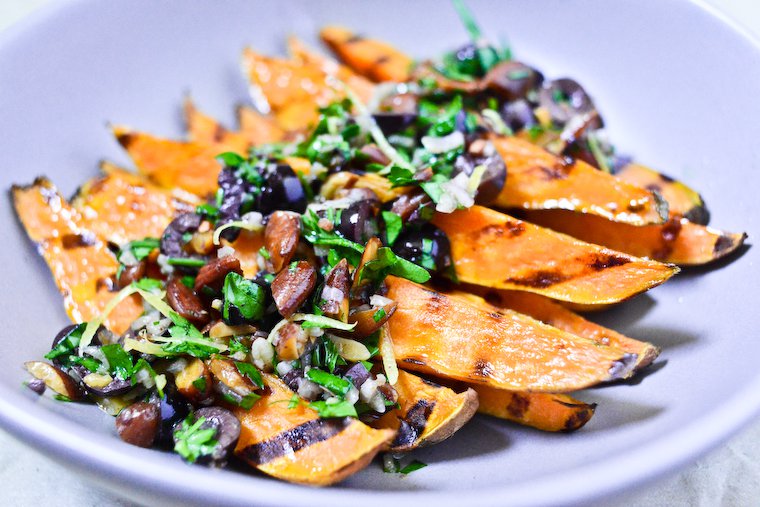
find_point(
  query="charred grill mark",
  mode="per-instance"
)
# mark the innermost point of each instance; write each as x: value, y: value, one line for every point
x: 518, y: 406
x: 666, y: 178
x: 382, y: 60
x: 482, y: 368
x: 654, y: 187
x: 294, y: 439
x: 353, y: 39
x: 429, y: 382
x: 413, y: 361
x: 559, y: 171
x: 514, y: 228
x: 579, y: 418
x: 540, y: 279
x: 437, y: 303
x: 722, y: 244
x: 669, y: 233
x: 69, y: 241
x: 604, y: 261
x: 495, y: 315
x: 699, y: 214
x: 572, y: 405
x: 125, y: 139
x: 412, y: 424
x: 219, y: 133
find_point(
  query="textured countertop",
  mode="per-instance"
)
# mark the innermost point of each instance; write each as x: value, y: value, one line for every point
x: 728, y: 476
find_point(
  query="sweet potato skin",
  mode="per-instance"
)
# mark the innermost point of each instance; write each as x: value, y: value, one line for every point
x: 453, y: 337
x: 429, y: 413
x: 679, y: 241
x: 543, y: 411
x: 81, y: 264
x: 371, y: 58
x: 538, y: 179
x: 295, y: 445
x: 492, y: 249
x: 682, y: 200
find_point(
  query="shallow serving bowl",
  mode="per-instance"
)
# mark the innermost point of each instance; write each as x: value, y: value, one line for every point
x: 677, y: 87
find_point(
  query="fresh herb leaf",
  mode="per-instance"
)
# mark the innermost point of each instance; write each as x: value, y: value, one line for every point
x: 186, y: 262
x: 192, y: 441
x: 61, y: 397
x: 242, y: 296
x: 66, y: 350
x: 236, y: 346
x: 119, y: 361
x: 250, y: 371
x: 295, y: 400
x: 413, y: 466
x: 379, y: 315
x: 339, y: 409
x: 333, y: 383
x: 200, y: 384
x: 230, y: 159
x: 393, y: 226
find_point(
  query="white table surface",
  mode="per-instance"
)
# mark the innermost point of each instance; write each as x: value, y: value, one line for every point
x: 729, y: 476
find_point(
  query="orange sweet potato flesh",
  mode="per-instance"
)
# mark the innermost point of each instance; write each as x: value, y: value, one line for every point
x: 257, y: 128
x: 295, y: 445
x: 537, y: 179
x: 203, y: 129
x: 121, y: 206
x: 429, y: 413
x: 453, y: 337
x: 554, y: 314
x: 371, y: 58
x: 492, y: 249
x: 292, y: 90
x: 360, y: 85
x: 543, y: 411
x: 678, y: 241
x: 81, y: 263
x: 169, y: 164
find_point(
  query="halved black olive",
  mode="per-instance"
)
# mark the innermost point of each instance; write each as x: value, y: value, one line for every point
x: 357, y: 222
x: 564, y: 98
x: 282, y: 190
x: 173, y: 239
x: 513, y: 80
x: 483, y: 153
x: 518, y: 115
x: 393, y: 123
x: 427, y: 246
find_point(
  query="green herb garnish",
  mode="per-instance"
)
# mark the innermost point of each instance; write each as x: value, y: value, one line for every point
x: 192, y: 441
x: 242, y: 296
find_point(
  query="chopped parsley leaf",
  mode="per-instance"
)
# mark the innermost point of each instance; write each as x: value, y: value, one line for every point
x: 192, y: 441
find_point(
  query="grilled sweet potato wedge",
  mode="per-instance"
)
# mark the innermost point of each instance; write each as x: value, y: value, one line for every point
x: 371, y: 58
x: 554, y: 314
x: 257, y: 128
x: 81, y: 264
x: 678, y: 241
x: 682, y: 200
x: 121, y: 206
x: 540, y: 180
x: 295, y: 445
x: 302, y: 53
x: 492, y: 249
x: 543, y: 411
x: 453, y: 337
x: 169, y: 164
x: 203, y: 129
x: 429, y: 413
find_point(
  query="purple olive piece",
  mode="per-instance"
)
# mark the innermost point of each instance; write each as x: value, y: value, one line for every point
x: 357, y: 222
x: 116, y: 387
x: 282, y: 191
x: 481, y: 152
x: 173, y: 409
x: 36, y: 385
x: 173, y: 238
x: 518, y: 115
x: 513, y: 80
x: 427, y: 246
x: 138, y: 424
x: 227, y: 429
x: 393, y: 123
x: 564, y: 99
x: 357, y: 374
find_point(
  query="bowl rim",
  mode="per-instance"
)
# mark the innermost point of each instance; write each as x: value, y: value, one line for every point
x: 63, y: 439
